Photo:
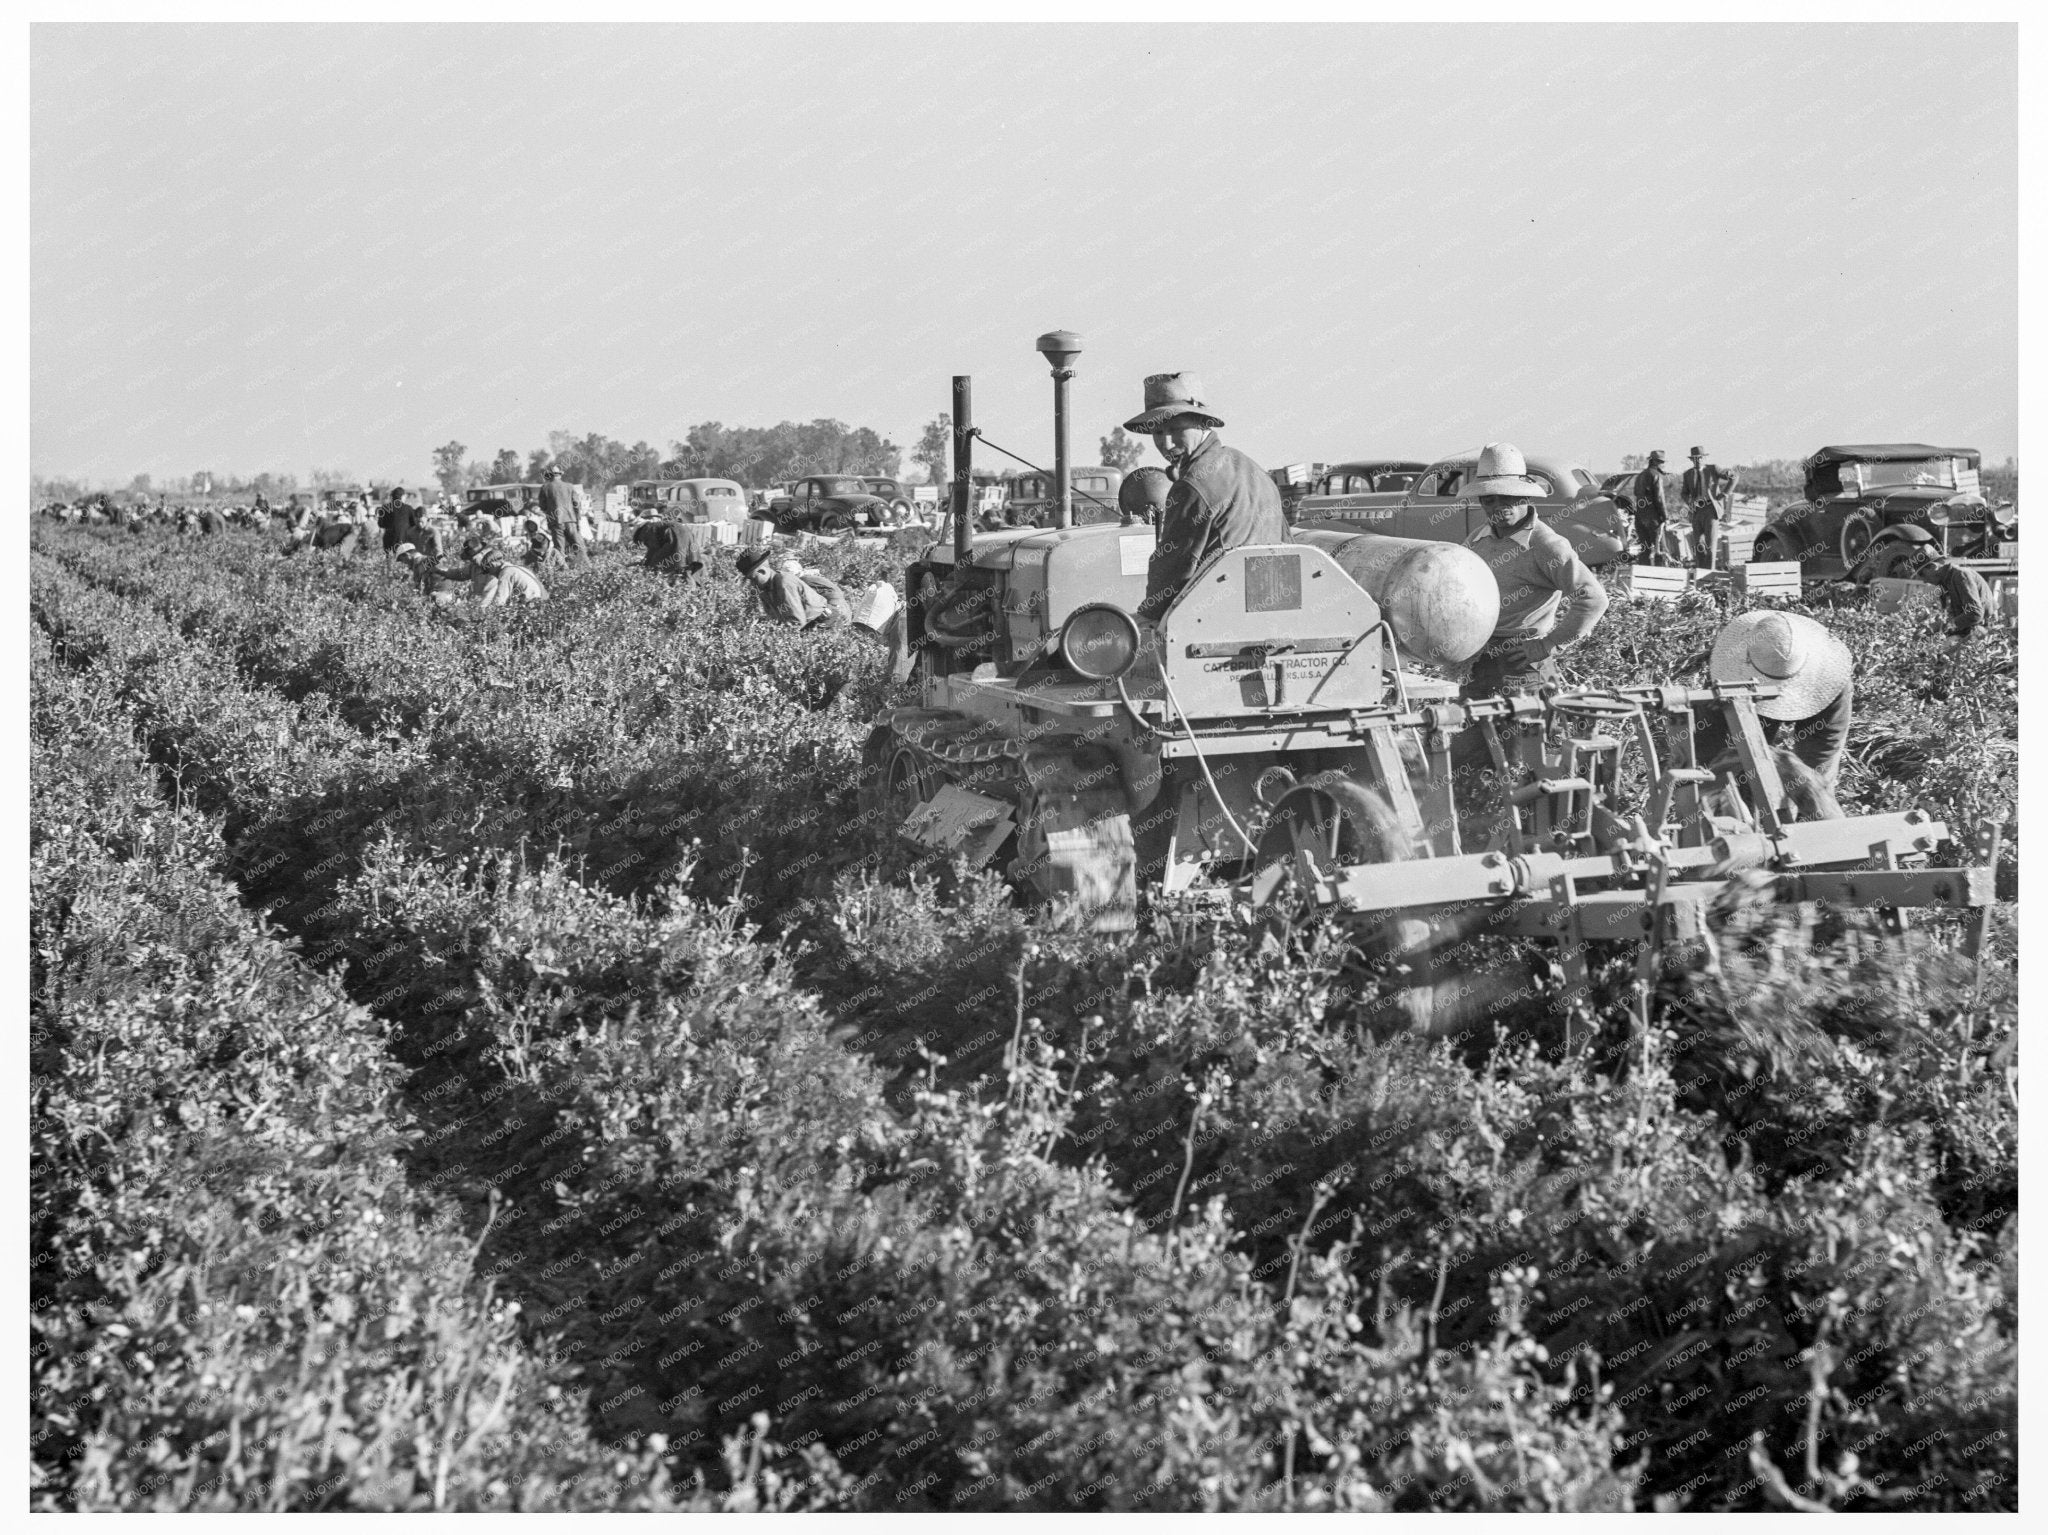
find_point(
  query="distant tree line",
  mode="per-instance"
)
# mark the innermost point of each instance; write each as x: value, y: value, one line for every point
x: 752, y: 455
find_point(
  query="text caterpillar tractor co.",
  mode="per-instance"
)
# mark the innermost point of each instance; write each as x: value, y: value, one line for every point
x: 1266, y: 742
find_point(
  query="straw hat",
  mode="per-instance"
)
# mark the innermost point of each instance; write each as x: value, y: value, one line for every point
x: 1167, y: 396
x: 1502, y: 471
x: 1808, y: 664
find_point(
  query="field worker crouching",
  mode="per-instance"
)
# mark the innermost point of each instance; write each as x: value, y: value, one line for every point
x: 499, y: 580
x: 676, y: 549
x: 1537, y: 573
x: 443, y: 588
x: 803, y: 599
x: 1220, y: 499
x: 1965, y: 595
x: 1810, y: 715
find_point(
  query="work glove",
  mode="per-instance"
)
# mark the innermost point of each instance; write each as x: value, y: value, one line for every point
x: 1535, y: 652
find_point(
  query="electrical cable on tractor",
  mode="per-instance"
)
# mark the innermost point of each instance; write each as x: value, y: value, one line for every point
x: 1268, y: 737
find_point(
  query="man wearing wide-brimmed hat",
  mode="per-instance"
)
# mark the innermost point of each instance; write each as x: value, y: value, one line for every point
x: 1811, y: 670
x: 1548, y: 598
x: 1220, y: 498
x: 1652, y: 510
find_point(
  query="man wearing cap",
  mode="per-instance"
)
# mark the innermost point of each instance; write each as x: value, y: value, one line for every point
x: 1811, y: 671
x: 1706, y: 492
x: 1651, y: 509
x: 1219, y: 500
x: 801, y: 599
x: 499, y: 580
x: 1537, y: 572
x: 565, y: 525
x: 1965, y: 595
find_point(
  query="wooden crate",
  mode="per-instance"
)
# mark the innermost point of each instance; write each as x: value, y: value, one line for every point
x: 1658, y: 583
x: 757, y: 531
x: 1772, y: 578
x: 1891, y: 595
x: 2005, y: 599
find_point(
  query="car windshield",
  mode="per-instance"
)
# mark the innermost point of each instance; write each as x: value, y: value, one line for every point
x: 1937, y: 472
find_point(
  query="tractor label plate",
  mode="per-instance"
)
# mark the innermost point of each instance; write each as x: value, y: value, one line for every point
x: 957, y: 820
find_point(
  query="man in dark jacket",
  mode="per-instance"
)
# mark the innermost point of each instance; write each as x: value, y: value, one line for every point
x: 399, y: 519
x: 558, y: 506
x: 1651, y: 510
x: 1220, y: 499
x: 676, y: 549
x: 1965, y: 595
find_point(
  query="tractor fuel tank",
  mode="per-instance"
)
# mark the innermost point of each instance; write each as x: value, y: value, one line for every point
x: 1440, y: 599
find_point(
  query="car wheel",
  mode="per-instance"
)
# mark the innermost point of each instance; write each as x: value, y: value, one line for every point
x: 1769, y: 548
x: 1892, y: 561
x: 1857, y: 535
x: 835, y: 522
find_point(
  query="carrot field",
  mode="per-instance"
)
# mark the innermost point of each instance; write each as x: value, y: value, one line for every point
x: 487, y: 1060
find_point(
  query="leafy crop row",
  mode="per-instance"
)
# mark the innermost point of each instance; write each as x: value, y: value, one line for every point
x: 986, y: 1216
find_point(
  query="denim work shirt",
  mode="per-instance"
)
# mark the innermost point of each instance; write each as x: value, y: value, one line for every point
x: 1220, y: 500
x: 1537, y: 571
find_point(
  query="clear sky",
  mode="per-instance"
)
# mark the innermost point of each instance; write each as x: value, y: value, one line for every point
x: 276, y: 248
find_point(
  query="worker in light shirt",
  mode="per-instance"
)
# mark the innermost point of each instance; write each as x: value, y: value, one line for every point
x: 1548, y: 598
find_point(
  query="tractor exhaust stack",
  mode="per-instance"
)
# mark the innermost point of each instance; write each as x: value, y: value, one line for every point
x: 1060, y: 348
x: 963, y: 470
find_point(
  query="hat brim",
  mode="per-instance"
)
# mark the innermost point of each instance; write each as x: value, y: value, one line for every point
x: 1517, y: 485
x: 1153, y: 420
x: 1807, y: 691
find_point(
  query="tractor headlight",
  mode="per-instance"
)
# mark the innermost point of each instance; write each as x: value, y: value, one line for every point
x: 1100, y: 641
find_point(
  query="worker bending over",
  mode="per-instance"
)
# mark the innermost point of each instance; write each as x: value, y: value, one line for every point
x: 1538, y: 575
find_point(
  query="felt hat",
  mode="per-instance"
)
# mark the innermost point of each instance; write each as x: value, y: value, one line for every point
x: 1169, y: 396
x: 1502, y: 471
x: 751, y: 560
x: 552, y: 472
x: 1807, y: 664
x: 404, y: 550
x: 1656, y: 456
x: 1697, y: 453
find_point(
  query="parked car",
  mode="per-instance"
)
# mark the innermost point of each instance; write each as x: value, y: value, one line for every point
x: 1857, y: 496
x: 829, y: 503
x: 524, y: 494
x: 694, y: 500
x: 895, y: 492
x: 1334, y: 494
x: 1435, y: 506
x: 1030, y: 502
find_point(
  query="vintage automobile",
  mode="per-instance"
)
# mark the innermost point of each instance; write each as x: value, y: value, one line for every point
x: 1435, y: 506
x: 828, y: 503
x: 525, y: 494
x: 1094, y: 486
x: 1331, y: 495
x: 895, y: 492
x: 1856, y: 497
x: 694, y: 500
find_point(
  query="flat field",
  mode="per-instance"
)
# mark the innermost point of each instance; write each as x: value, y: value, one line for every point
x: 490, y: 1063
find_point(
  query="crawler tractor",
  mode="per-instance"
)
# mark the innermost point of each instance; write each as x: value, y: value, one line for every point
x: 1274, y: 740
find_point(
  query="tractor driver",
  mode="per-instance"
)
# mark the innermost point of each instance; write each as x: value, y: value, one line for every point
x: 1537, y: 572
x: 1219, y: 500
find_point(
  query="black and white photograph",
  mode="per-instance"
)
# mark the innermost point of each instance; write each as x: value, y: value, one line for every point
x: 1045, y: 763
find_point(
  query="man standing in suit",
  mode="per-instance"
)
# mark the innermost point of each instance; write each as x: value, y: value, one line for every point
x: 558, y: 506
